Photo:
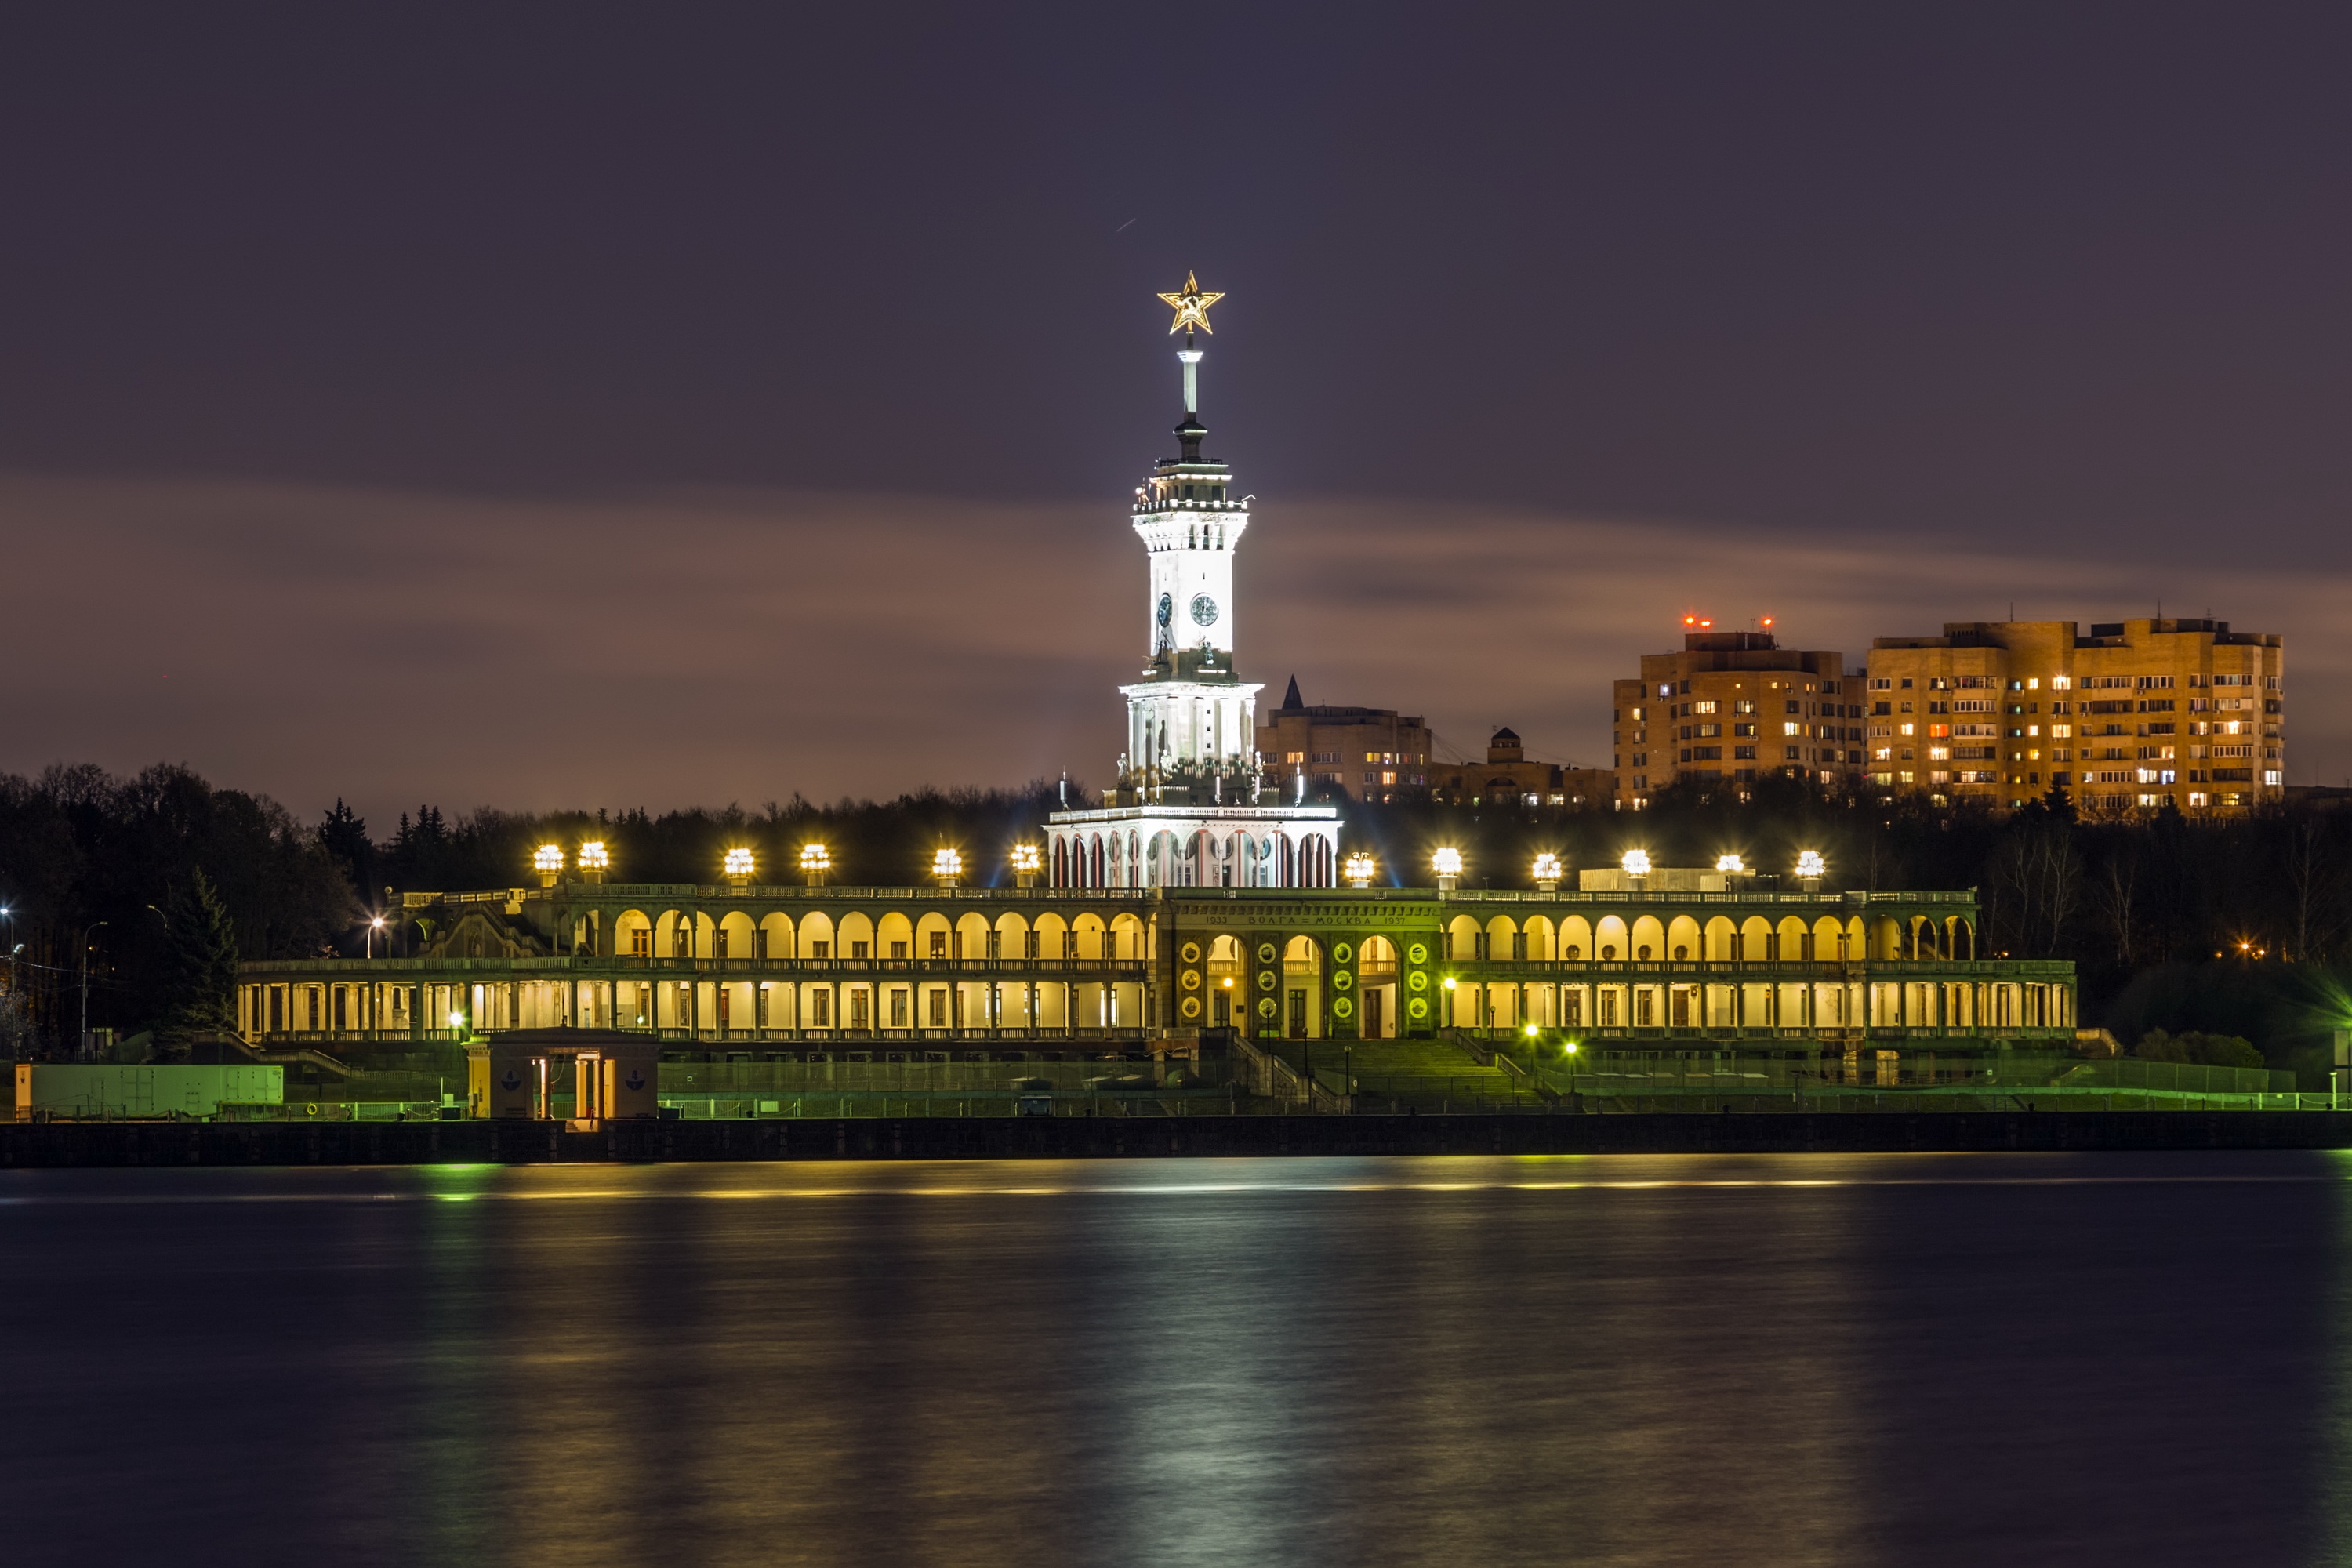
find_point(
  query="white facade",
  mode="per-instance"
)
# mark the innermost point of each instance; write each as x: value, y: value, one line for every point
x: 1191, y: 721
x: 1191, y: 544
x: 1213, y: 846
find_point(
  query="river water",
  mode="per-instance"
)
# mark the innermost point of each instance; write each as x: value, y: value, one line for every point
x: 1912, y: 1360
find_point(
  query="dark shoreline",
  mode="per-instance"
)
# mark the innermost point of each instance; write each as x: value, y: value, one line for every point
x: 52, y: 1145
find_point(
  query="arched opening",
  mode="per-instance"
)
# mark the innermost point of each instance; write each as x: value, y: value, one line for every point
x: 1302, y: 989
x: 1376, y: 988
x: 1576, y: 938
x: 633, y: 935
x: 1228, y: 981
x: 776, y: 937
x: 1682, y: 940
x: 1649, y: 940
x: 733, y: 937
x: 1612, y: 943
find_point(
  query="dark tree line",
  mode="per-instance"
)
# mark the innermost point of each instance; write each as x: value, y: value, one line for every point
x: 2237, y: 927
x: 160, y: 881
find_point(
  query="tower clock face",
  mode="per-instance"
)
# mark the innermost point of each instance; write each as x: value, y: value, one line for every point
x: 1204, y: 610
x: 1167, y: 609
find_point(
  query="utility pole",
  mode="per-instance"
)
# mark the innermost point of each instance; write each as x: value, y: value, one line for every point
x: 81, y: 1046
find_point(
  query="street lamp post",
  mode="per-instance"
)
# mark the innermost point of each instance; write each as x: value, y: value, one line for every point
x: 81, y: 1046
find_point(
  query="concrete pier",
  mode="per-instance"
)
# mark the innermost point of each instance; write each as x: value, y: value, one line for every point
x: 158, y: 1143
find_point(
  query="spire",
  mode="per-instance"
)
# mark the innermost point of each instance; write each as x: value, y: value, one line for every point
x: 1290, y: 698
x: 1191, y: 307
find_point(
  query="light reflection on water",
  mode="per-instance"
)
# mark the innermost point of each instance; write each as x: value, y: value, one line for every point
x: 1918, y: 1359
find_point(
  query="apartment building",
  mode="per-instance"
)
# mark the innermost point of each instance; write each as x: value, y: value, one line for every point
x: 1365, y: 753
x: 1732, y: 706
x: 2127, y: 718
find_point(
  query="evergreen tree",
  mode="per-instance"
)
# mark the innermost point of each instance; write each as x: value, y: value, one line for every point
x: 201, y: 961
x: 343, y: 835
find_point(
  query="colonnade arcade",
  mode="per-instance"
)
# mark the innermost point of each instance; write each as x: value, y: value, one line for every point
x: 711, y: 963
x: 1125, y: 855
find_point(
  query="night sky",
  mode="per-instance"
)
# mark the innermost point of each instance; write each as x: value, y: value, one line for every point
x: 683, y: 405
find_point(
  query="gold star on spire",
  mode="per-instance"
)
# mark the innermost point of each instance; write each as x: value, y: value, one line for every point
x: 1191, y: 307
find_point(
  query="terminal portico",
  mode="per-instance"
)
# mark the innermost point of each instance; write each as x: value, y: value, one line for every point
x: 826, y: 968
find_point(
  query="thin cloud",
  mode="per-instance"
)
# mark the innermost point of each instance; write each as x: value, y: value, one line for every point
x: 394, y: 648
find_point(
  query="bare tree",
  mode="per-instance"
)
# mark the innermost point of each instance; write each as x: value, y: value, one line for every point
x: 2118, y: 884
x: 2315, y: 877
x: 2037, y: 876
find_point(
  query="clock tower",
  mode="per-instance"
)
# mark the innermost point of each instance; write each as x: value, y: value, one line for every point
x: 1192, y: 807
x: 1191, y: 720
